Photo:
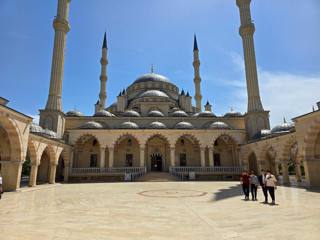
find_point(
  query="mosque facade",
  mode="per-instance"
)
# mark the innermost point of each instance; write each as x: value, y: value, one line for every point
x: 153, y: 126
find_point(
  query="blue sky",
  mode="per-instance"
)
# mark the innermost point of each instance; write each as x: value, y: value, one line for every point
x: 160, y: 32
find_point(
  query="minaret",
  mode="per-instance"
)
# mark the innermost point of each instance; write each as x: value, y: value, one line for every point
x: 101, y: 104
x: 197, y: 79
x: 52, y: 116
x: 256, y: 118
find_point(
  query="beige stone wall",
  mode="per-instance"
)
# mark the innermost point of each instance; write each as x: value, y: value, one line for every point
x: 307, y: 130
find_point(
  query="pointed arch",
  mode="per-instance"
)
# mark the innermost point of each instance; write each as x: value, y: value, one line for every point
x: 187, y: 151
x: 14, y: 135
x: 86, y: 151
x: 157, y: 152
x: 127, y: 151
x: 225, y: 151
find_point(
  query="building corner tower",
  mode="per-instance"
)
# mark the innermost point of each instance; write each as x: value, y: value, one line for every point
x: 52, y: 117
x: 101, y: 103
x: 197, y: 79
x: 256, y: 118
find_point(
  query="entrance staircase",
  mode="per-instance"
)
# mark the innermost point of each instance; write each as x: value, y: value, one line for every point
x: 157, y: 177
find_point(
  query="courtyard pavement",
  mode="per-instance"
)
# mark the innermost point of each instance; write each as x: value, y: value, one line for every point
x: 157, y: 211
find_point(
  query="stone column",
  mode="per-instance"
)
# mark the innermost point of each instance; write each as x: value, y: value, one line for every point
x: 211, y: 162
x: 285, y: 172
x: 53, y: 170
x: 142, y: 153
x: 102, y: 157
x: 111, y: 156
x: 276, y: 173
x: 298, y: 172
x: 11, y: 174
x: 33, y: 175
x: 202, y: 156
x: 172, y: 156
x: 66, y: 172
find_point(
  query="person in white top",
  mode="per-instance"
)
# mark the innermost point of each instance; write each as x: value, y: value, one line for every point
x: 271, y: 185
x: 1, y: 189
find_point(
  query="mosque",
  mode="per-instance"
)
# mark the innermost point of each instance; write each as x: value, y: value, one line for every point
x: 153, y: 126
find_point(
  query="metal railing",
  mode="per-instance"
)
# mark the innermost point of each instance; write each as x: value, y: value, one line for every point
x: 220, y: 169
x: 123, y: 170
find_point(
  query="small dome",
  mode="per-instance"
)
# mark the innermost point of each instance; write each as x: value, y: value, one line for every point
x: 184, y: 125
x: 129, y: 125
x: 92, y: 125
x: 151, y: 77
x: 179, y: 113
x: 35, y: 128
x: 233, y: 114
x: 284, y: 127
x: 154, y: 93
x: 74, y: 113
x: 205, y: 114
x: 103, y: 113
x: 155, y: 113
x: 112, y: 105
x: 49, y: 133
x: 130, y: 113
x: 262, y: 133
x: 157, y: 125
x: 219, y: 125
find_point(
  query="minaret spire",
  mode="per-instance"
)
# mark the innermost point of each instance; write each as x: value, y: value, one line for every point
x: 256, y: 118
x: 101, y: 104
x: 52, y: 116
x: 197, y: 78
x: 246, y: 31
x: 61, y: 28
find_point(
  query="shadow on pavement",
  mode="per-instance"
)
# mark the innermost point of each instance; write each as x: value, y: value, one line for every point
x: 230, y: 192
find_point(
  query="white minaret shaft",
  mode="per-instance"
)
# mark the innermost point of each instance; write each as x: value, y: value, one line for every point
x: 61, y: 27
x: 103, y: 75
x: 246, y: 31
x: 197, y: 79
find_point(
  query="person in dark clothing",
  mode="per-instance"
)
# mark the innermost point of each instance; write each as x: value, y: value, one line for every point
x: 254, y: 183
x: 262, y: 181
x: 245, y: 181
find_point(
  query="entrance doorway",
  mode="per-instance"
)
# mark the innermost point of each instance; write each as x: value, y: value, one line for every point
x: 156, y: 162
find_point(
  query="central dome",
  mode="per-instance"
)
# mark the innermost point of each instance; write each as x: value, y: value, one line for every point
x: 152, y: 77
x: 154, y: 93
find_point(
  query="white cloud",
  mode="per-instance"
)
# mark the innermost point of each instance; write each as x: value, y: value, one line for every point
x: 36, y: 118
x: 283, y: 94
x: 288, y: 95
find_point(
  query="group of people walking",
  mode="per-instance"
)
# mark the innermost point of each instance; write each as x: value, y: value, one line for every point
x: 267, y: 181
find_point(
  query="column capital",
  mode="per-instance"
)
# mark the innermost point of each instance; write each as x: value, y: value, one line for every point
x: 202, y: 148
